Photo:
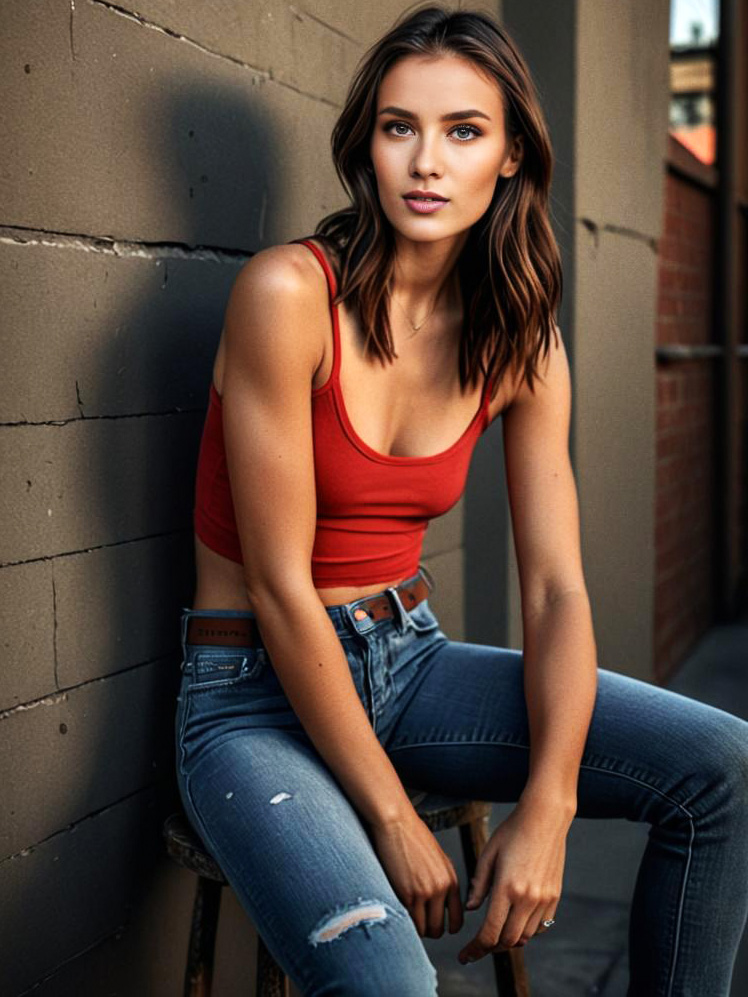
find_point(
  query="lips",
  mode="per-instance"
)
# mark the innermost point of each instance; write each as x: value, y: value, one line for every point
x: 426, y: 195
x: 422, y: 206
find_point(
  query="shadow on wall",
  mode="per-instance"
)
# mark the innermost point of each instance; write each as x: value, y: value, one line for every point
x: 150, y: 380
x: 114, y: 430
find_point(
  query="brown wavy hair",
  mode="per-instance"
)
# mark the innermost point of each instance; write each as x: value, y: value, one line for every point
x: 510, y: 266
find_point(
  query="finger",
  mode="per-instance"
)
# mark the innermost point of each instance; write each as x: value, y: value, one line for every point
x: 490, y: 931
x: 454, y: 909
x: 514, y: 926
x: 418, y: 913
x: 548, y: 914
x: 435, y: 915
x: 482, y: 880
x: 532, y: 924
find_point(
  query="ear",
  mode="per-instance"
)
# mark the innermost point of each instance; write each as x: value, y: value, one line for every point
x: 513, y: 160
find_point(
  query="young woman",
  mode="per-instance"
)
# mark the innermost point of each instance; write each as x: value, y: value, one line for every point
x: 355, y: 373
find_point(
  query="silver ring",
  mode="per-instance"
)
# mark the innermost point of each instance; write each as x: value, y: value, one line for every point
x: 549, y: 922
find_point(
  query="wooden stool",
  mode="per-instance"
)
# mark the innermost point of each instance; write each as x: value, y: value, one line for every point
x: 186, y: 848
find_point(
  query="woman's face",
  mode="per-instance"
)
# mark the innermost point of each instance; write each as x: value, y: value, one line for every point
x: 413, y: 148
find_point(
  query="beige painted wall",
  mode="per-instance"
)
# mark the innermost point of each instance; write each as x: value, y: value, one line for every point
x: 602, y: 74
x: 621, y: 144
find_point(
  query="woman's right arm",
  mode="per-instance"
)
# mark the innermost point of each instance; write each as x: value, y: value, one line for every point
x: 270, y: 360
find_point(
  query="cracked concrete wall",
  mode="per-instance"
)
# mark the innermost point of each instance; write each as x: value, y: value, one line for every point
x: 148, y: 150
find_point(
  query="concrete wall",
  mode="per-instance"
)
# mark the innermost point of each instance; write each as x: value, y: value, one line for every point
x: 602, y: 74
x: 492, y: 603
x: 148, y: 149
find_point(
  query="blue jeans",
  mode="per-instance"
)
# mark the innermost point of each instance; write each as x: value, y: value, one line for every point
x: 452, y: 717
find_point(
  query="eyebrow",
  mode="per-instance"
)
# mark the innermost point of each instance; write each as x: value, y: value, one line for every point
x: 452, y: 116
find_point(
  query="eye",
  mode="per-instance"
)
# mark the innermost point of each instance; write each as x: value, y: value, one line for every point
x: 392, y: 125
x: 471, y: 128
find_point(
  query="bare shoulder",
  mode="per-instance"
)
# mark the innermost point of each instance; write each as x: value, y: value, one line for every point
x: 288, y: 268
x: 552, y: 384
x: 277, y: 304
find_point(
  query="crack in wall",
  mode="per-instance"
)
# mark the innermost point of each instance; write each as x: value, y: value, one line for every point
x: 9, y: 235
x: 595, y: 229
x: 54, y: 627
x: 94, y: 418
x: 71, y: 39
x: 302, y: 12
x: 100, y: 940
x: 79, y: 399
x: 631, y: 233
x: 73, y: 827
x: 53, y: 699
x: 32, y: 704
x: 91, y: 550
x: 258, y: 75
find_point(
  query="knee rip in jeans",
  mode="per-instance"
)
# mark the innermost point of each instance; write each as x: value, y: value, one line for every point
x: 360, y: 912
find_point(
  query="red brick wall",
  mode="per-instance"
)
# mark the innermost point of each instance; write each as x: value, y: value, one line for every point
x: 685, y: 487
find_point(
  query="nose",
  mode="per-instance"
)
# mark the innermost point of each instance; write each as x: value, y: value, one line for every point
x: 425, y: 160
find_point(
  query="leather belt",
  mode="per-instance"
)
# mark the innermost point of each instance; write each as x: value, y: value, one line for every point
x: 243, y: 631
x: 379, y: 606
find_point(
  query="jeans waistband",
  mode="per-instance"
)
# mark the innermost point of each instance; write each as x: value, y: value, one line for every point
x: 343, y: 615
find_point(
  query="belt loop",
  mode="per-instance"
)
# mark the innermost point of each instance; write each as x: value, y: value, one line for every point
x: 183, y: 625
x: 401, y: 611
x: 361, y: 625
x: 183, y: 629
x: 427, y: 575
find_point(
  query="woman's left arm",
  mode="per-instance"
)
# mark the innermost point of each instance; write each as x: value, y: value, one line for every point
x: 522, y: 863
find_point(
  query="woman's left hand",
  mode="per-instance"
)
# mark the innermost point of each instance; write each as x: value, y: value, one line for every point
x: 522, y: 865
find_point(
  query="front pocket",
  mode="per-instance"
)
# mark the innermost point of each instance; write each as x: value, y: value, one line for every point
x: 219, y: 667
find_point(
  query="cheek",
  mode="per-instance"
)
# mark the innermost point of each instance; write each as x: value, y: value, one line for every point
x: 482, y: 174
x: 389, y: 181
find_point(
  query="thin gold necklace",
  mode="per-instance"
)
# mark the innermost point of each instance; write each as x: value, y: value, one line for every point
x: 415, y: 328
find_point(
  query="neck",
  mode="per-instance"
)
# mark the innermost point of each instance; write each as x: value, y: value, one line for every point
x: 423, y: 272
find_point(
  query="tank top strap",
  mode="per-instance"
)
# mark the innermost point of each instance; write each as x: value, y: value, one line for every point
x: 332, y: 290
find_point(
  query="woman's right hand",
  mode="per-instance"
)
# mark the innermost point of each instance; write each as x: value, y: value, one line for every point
x: 420, y: 872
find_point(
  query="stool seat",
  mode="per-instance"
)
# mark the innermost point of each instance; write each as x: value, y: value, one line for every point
x: 186, y: 848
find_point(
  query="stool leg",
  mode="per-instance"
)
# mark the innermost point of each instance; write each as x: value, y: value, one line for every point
x: 509, y: 967
x: 271, y: 980
x: 198, y: 978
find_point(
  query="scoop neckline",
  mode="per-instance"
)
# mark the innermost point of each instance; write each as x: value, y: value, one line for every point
x: 384, y: 458
x: 333, y: 383
x: 335, y: 387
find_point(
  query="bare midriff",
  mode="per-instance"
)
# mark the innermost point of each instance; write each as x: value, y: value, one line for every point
x: 221, y: 584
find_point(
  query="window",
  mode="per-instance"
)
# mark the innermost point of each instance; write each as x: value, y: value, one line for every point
x: 694, y: 29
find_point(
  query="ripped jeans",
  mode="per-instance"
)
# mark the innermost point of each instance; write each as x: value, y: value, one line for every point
x: 452, y: 717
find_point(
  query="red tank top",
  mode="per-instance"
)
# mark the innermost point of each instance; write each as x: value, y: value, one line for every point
x: 372, y: 508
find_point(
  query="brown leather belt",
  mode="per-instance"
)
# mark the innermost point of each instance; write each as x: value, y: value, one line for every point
x: 243, y: 631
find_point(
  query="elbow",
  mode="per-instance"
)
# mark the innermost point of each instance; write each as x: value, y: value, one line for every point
x: 549, y: 596
x: 284, y: 591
